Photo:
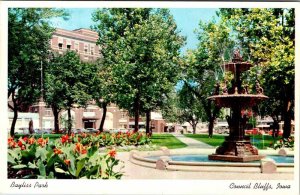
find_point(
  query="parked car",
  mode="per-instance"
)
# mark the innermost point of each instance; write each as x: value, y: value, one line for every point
x: 280, y: 132
x: 46, y: 131
x: 255, y: 131
x: 92, y: 130
x: 22, y: 131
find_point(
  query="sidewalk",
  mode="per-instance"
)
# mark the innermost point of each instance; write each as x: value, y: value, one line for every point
x: 192, y: 143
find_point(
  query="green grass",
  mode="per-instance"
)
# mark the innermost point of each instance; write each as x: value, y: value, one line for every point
x: 167, y: 140
x: 36, y: 136
x: 217, y: 140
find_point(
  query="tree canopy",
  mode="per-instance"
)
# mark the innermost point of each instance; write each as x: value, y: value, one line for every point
x: 142, y: 46
x: 267, y: 37
x: 29, y: 32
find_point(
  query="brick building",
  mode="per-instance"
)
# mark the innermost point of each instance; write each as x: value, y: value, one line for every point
x: 83, y: 41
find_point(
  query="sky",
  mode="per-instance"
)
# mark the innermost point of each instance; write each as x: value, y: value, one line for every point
x: 187, y: 21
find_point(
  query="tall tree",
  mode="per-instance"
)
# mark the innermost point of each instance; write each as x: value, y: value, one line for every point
x: 190, y: 109
x: 203, y: 65
x: 102, y: 88
x: 142, y: 46
x: 267, y: 36
x: 29, y: 32
x: 68, y: 81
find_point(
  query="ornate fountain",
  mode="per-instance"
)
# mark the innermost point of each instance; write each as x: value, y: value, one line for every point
x: 237, y: 147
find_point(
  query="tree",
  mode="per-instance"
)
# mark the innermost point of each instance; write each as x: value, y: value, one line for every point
x: 102, y: 88
x: 67, y: 83
x: 203, y: 65
x: 142, y: 46
x: 267, y: 36
x: 190, y: 109
x: 29, y: 33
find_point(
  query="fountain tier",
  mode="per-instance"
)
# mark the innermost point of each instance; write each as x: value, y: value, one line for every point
x: 237, y: 147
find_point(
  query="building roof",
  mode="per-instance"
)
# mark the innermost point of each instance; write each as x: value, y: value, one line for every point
x: 81, y: 34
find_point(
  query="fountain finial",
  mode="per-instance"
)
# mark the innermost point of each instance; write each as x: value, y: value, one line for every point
x: 237, y: 56
x: 259, y: 89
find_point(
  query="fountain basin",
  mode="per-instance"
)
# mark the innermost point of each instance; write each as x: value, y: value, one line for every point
x: 203, y: 158
x: 243, y: 100
x: 175, y: 160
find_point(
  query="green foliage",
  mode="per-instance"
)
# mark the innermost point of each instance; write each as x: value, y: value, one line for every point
x: 267, y: 38
x: 142, y: 48
x: 285, y: 143
x: 60, y: 159
x: 68, y: 80
x: 189, y: 108
x: 203, y: 65
x: 29, y: 33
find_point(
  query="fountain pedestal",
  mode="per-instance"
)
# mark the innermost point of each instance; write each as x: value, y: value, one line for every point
x: 236, y: 150
x: 237, y: 147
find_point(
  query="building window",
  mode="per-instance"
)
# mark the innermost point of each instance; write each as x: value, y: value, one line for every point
x: 68, y: 47
x: 85, y: 51
x: 48, y: 112
x: 123, y: 115
x: 76, y: 46
x: 92, y: 50
x: 60, y: 45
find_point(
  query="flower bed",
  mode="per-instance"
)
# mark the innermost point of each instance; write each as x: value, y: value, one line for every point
x: 285, y: 143
x: 67, y: 158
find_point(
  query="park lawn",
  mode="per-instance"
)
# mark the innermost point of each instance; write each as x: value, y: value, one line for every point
x: 259, y: 141
x: 167, y: 140
x: 36, y: 136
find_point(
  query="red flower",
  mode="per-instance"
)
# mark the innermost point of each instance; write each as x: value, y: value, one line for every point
x: 64, y: 138
x: 242, y: 112
x: 112, y: 153
x: 72, y: 135
x: 67, y: 162
x: 80, y: 149
x: 83, y: 151
x: 31, y: 140
x: 41, y: 141
x: 57, y: 151
x: 23, y: 147
x: 20, y: 144
x: 10, y: 139
x: 249, y: 113
x: 84, y: 135
x: 12, y: 144
x: 25, y: 139
x: 78, y: 139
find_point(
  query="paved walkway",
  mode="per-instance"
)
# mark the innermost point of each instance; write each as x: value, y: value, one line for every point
x: 192, y: 143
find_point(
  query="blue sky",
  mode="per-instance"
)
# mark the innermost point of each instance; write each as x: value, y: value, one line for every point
x: 187, y: 21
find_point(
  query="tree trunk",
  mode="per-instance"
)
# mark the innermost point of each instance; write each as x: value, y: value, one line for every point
x: 104, y: 106
x: 194, y: 127
x: 287, y: 119
x: 56, y: 120
x: 136, y: 112
x: 211, y: 126
x: 12, y: 128
x: 148, y: 119
x: 30, y: 127
x: 69, y: 121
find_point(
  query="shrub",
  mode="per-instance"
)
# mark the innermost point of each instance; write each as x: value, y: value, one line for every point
x: 39, y: 159
x: 284, y: 143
